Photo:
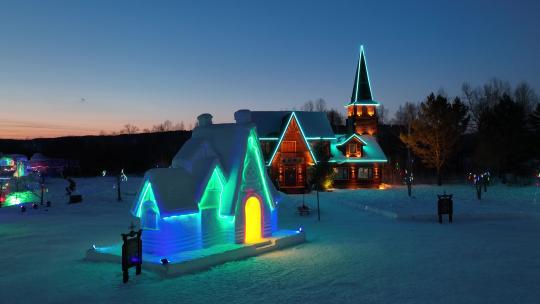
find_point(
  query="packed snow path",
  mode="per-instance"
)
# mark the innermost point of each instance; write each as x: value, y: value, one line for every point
x: 352, y: 256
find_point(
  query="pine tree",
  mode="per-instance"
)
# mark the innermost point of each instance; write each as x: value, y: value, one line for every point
x: 436, y: 131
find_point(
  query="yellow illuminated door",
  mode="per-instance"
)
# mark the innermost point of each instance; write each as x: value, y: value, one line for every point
x: 253, y: 221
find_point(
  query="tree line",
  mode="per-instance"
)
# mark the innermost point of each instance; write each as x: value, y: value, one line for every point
x: 502, y: 122
x: 165, y: 126
x: 493, y: 127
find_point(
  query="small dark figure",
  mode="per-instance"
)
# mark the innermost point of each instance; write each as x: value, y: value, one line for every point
x: 478, y: 186
x: 23, y: 208
x: 409, y: 180
x: 48, y: 204
x: 486, y: 177
x: 34, y: 206
x: 445, y: 205
x: 71, y: 187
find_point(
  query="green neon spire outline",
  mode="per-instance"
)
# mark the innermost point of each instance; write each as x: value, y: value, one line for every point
x: 362, y: 102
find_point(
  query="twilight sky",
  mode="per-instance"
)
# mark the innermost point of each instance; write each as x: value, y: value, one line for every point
x: 78, y: 67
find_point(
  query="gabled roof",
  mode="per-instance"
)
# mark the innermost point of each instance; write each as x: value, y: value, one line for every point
x: 272, y: 123
x: 179, y: 189
x: 372, y: 152
x: 341, y: 140
x: 361, y: 94
x: 276, y: 148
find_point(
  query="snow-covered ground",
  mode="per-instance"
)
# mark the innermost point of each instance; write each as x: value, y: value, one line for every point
x: 357, y: 254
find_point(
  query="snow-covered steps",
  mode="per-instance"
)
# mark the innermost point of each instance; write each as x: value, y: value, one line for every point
x: 201, y: 259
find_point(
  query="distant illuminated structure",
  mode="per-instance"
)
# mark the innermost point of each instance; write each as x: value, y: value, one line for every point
x: 291, y: 140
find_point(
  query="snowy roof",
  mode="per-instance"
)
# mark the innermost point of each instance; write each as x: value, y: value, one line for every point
x: 173, y: 189
x: 38, y: 156
x: 372, y: 152
x: 271, y: 123
x: 179, y: 189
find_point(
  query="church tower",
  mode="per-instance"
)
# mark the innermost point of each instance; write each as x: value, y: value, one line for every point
x: 362, y: 109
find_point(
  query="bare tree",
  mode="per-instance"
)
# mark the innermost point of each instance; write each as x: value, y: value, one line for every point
x: 308, y: 106
x: 525, y: 95
x: 405, y: 114
x: 179, y: 126
x: 129, y: 129
x: 320, y: 105
x: 167, y: 125
x: 335, y: 118
x: 382, y: 114
x: 482, y: 99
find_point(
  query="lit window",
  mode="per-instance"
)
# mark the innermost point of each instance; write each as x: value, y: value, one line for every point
x: 342, y: 173
x: 365, y: 173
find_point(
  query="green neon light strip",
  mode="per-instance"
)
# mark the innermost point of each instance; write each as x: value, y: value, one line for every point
x: 217, y: 174
x: 360, y: 161
x: 147, y: 189
x: 321, y: 138
x: 354, y: 135
x: 283, y: 135
x: 253, y: 144
x: 359, y: 103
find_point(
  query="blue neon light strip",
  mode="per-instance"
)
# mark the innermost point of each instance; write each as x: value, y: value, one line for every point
x: 321, y: 138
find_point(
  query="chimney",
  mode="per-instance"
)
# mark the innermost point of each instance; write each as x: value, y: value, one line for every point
x: 242, y: 116
x: 204, y: 120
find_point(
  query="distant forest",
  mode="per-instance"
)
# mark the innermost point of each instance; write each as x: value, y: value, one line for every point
x: 135, y: 153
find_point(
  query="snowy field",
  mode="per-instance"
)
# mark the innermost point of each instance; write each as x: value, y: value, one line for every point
x: 371, y: 246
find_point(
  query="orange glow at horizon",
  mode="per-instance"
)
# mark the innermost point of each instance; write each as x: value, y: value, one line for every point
x: 18, y: 129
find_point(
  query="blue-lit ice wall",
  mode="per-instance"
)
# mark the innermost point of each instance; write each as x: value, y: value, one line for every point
x: 189, y: 232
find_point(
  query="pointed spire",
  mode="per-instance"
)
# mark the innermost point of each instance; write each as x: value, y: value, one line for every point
x: 361, y: 88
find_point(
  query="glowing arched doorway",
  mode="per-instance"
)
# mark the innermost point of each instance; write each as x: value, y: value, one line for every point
x: 253, y: 232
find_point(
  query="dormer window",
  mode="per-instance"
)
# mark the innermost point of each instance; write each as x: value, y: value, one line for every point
x: 354, y: 149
